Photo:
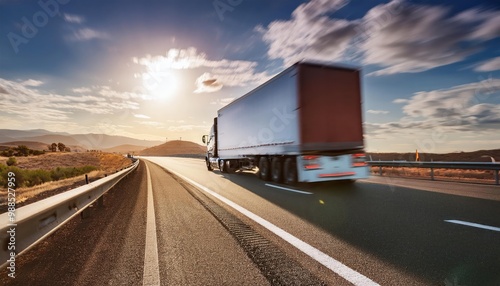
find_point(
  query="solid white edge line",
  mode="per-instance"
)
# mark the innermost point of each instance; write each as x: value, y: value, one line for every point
x: 472, y: 224
x: 334, y: 265
x: 288, y: 189
x: 151, y: 274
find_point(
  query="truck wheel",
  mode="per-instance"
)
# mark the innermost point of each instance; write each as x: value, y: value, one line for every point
x: 290, y: 171
x: 207, y: 162
x: 276, y: 170
x: 229, y: 166
x: 264, y: 170
x: 222, y: 167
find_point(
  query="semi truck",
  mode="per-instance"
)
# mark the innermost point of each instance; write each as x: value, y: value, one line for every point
x: 302, y: 125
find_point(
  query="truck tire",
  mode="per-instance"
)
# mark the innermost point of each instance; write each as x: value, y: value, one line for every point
x: 230, y: 166
x: 290, y: 172
x: 276, y: 170
x: 207, y: 162
x: 264, y: 170
x: 222, y: 167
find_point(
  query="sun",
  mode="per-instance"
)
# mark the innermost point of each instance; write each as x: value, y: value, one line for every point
x: 161, y: 84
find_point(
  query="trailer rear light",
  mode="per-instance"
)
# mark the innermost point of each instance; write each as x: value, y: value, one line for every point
x: 311, y: 162
x: 334, y: 175
x: 358, y: 160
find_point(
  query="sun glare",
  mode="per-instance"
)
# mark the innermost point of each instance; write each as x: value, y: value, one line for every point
x: 161, y: 84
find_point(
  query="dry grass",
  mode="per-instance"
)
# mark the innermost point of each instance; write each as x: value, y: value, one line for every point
x: 53, y: 160
x: 105, y: 162
x: 42, y: 191
x: 481, y: 176
x: 112, y: 162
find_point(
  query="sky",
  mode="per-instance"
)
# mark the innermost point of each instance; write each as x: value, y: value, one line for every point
x: 160, y: 70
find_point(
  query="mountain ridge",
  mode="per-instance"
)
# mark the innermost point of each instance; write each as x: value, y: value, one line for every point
x: 91, y: 141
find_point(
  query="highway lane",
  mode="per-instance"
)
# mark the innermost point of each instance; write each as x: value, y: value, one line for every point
x: 394, y: 235
x: 193, y: 247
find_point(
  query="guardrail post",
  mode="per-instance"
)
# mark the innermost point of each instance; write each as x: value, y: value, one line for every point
x: 432, y: 174
x: 85, y: 213
x: 380, y: 170
x: 496, y: 177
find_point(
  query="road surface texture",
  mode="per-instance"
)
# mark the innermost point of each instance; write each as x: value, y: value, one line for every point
x: 172, y: 222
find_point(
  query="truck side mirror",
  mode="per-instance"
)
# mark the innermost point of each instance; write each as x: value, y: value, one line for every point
x: 204, y: 139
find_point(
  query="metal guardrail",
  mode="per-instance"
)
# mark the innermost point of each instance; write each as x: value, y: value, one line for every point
x: 495, y: 167
x: 36, y: 221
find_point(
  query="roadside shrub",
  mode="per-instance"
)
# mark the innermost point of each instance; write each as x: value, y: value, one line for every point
x: 11, y: 161
x: 30, y: 178
x: 60, y: 173
x: 7, y: 153
x: 4, y: 171
x: 36, y: 177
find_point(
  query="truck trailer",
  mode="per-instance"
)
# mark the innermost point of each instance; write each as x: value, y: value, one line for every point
x: 303, y: 125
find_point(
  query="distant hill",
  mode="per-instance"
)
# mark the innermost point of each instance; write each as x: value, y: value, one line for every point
x: 176, y: 147
x: 475, y: 156
x: 123, y: 149
x: 52, y: 138
x: 38, y: 146
x: 32, y: 145
x: 103, y: 141
x: 84, y: 141
x: 7, y: 135
x: 12, y: 133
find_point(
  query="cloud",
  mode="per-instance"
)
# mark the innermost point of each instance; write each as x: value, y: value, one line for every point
x: 34, y: 106
x: 222, y: 72
x: 222, y: 101
x: 371, y: 111
x: 489, y: 65
x: 141, y: 116
x: 3, y: 90
x: 399, y: 36
x: 462, y: 103
x: 404, y: 37
x: 81, y: 90
x: 400, y: 100
x: 86, y: 34
x: 462, y: 108
x: 75, y: 19
x: 207, y: 83
x: 317, y: 8
x: 310, y: 33
x: 31, y: 82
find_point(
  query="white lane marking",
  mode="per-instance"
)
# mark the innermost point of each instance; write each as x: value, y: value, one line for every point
x: 472, y: 224
x: 334, y: 265
x: 288, y: 189
x: 151, y: 274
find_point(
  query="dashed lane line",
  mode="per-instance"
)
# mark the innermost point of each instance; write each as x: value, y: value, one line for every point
x: 472, y: 224
x: 151, y: 274
x: 288, y: 189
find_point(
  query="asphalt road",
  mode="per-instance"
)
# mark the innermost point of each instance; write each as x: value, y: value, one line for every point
x: 391, y: 233
x: 236, y: 230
